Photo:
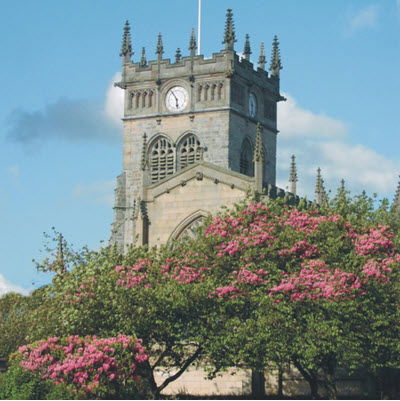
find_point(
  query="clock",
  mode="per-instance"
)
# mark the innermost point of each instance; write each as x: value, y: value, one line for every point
x: 176, y: 99
x: 252, y: 105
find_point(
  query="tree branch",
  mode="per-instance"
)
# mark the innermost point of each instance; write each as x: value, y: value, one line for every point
x: 180, y: 371
x: 160, y: 358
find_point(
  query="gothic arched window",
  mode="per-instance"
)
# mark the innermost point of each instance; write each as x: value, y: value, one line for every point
x: 246, y: 158
x: 190, y: 229
x: 189, y: 151
x: 161, y: 158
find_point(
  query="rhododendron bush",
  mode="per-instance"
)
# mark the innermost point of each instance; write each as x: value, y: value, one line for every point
x: 88, y: 366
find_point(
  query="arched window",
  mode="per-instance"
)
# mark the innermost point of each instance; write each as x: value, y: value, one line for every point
x: 190, y: 231
x: 161, y: 158
x: 246, y: 159
x: 189, y: 151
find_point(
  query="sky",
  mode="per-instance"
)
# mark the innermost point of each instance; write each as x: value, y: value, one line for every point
x: 60, y: 128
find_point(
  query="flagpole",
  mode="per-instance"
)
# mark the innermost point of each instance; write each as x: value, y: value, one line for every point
x: 199, y: 29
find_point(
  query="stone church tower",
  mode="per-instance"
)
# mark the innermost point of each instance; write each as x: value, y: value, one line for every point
x: 198, y: 134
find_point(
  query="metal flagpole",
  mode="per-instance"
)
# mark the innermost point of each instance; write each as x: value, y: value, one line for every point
x: 199, y: 28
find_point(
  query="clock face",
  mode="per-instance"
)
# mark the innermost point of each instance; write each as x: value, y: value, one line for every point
x: 252, y: 105
x: 177, y: 98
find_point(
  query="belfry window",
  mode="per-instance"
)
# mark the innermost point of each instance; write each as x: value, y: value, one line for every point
x: 189, y: 151
x: 162, y: 159
x: 246, y: 159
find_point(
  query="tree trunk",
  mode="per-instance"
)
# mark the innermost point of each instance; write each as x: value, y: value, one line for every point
x: 329, y: 382
x: 311, y: 378
x: 280, y: 382
x: 257, y: 385
x: 148, y: 374
x: 313, y: 383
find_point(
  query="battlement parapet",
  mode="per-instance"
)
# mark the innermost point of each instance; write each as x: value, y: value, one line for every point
x: 273, y: 192
x: 223, y: 64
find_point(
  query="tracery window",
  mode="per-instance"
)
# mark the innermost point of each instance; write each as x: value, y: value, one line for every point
x: 246, y: 159
x: 189, y: 151
x: 162, y: 159
x: 190, y: 231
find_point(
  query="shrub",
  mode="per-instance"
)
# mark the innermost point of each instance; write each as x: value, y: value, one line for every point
x: 76, y: 368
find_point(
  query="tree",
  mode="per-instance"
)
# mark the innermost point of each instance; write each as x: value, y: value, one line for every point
x: 300, y: 275
x: 264, y: 285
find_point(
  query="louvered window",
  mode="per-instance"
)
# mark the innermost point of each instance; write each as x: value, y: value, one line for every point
x: 189, y: 151
x: 162, y: 159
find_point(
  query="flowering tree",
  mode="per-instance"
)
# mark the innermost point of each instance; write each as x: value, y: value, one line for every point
x: 298, y: 278
x: 154, y: 295
x: 263, y: 285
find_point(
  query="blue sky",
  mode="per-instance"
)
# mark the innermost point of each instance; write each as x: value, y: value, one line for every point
x: 60, y: 135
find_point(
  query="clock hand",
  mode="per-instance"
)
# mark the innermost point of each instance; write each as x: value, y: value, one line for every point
x: 174, y: 95
x: 176, y: 100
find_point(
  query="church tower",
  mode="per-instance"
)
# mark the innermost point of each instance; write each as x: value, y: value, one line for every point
x: 190, y: 128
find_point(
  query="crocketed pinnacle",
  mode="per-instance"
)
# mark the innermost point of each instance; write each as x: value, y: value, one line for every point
x: 261, y: 58
x: 258, y: 149
x: 160, y: 47
x: 143, y: 60
x: 247, y: 48
x: 229, y: 35
x: 144, y: 151
x: 293, y: 175
x: 320, y: 193
x: 192, y: 43
x: 342, y: 187
x: 293, y: 170
x: 178, y: 55
x: 126, y: 48
x: 275, y: 65
x: 396, y: 201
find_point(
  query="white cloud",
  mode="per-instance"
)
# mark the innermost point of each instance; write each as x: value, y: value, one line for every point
x: 114, y: 104
x: 6, y: 287
x: 362, y: 168
x: 99, y: 192
x: 295, y: 121
x: 365, y: 18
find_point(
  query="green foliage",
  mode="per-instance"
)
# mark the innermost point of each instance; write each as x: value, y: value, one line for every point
x: 181, y: 323
x: 21, y: 384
